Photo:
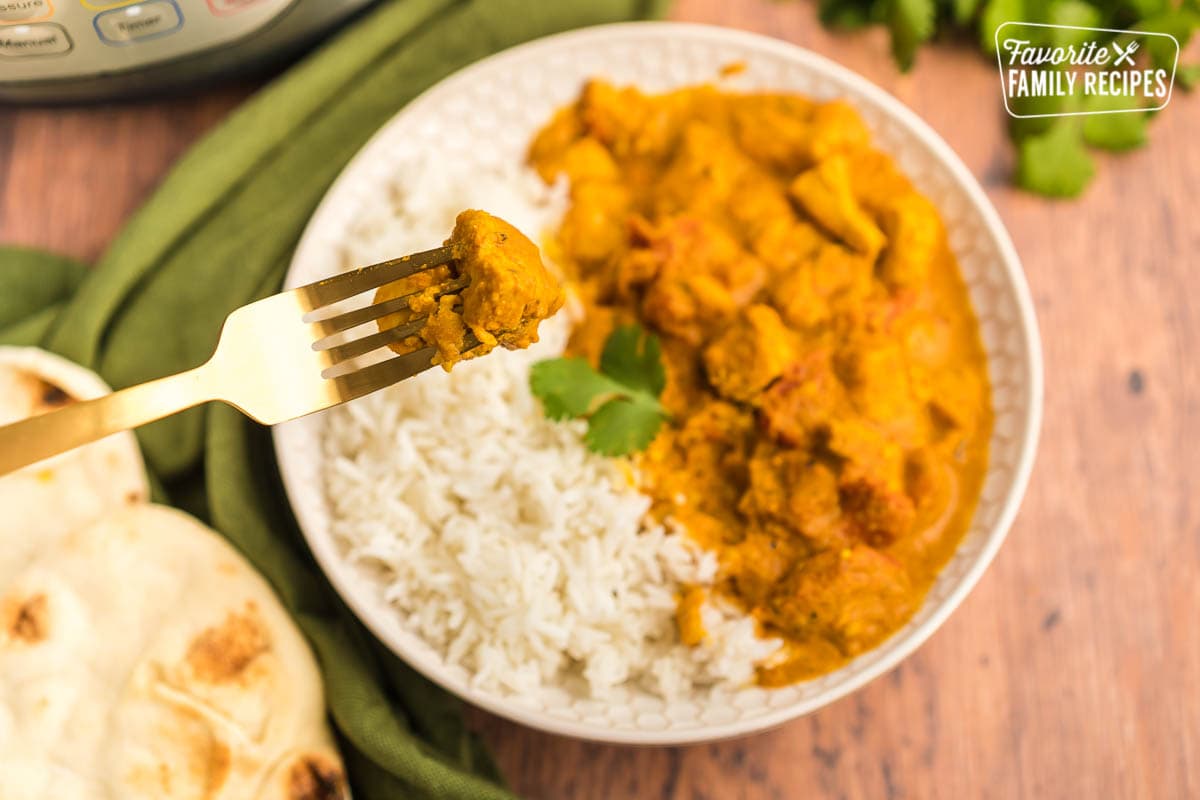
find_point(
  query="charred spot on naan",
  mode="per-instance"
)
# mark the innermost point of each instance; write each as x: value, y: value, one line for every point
x: 224, y: 653
x: 32, y: 394
x: 315, y: 777
x: 220, y: 759
x: 206, y: 759
x: 26, y: 620
x: 189, y: 758
x: 54, y: 397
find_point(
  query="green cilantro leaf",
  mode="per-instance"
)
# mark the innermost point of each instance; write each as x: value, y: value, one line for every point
x: 995, y: 14
x: 964, y: 10
x: 1144, y: 8
x: 569, y: 387
x: 620, y: 402
x: 1076, y: 14
x: 1028, y: 124
x: 1055, y: 163
x: 622, y: 426
x: 634, y: 358
x: 1179, y: 22
x: 911, y: 23
x: 1122, y: 131
x: 844, y: 14
x: 1188, y: 75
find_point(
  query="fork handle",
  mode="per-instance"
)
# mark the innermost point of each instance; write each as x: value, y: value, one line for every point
x: 37, y: 438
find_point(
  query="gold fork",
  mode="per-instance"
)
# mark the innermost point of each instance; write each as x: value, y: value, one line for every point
x: 277, y: 359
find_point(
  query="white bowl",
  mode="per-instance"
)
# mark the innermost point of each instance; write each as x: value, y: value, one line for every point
x: 487, y: 113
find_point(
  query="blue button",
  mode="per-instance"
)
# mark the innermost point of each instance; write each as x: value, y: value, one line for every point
x: 136, y: 23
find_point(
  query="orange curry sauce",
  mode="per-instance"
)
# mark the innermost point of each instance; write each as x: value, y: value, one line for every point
x: 826, y: 380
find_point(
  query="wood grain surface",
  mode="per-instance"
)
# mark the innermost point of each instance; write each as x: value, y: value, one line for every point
x: 1073, y: 670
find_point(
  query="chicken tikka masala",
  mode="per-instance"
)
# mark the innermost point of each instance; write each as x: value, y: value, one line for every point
x: 827, y: 386
x: 494, y: 293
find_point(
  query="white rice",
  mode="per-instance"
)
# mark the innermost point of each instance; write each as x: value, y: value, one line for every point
x: 493, y: 532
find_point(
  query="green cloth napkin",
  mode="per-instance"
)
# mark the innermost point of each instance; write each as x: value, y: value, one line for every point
x: 218, y: 234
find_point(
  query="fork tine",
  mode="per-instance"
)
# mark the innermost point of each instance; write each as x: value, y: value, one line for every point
x: 469, y: 344
x: 366, y: 344
x: 382, y: 375
x: 341, y: 287
x: 352, y: 319
x: 385, y: 373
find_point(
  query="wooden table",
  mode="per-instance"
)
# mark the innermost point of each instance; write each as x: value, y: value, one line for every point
x: 1073, y: 670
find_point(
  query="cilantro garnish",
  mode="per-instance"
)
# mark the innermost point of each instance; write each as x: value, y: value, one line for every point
x: 912, y: 22
x: 620, y: 401
x: 1055, y: 163
x: 1123, y: 131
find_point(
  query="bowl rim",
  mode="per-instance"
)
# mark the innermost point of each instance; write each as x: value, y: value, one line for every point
x: 371, y: 613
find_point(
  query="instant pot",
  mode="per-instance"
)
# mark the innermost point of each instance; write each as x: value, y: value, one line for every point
x: 58, y: 50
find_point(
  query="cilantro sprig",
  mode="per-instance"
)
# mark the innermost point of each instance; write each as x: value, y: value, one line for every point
x: 620, y: 401
x: 1053, y: 155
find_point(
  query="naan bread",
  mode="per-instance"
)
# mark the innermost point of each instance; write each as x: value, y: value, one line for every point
x: 46, y: 500
x: 142, y: 657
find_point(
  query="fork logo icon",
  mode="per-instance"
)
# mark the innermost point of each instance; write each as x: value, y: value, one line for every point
x: 1124, y: 55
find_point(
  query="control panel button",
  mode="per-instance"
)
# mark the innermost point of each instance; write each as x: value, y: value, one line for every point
x: 40, y: 39
x: 100, y: 5
x: 230, y: 6
x: 24, y: 10
x: 141, y: 21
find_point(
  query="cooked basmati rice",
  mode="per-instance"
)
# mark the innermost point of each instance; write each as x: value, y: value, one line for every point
x: 493, y: 532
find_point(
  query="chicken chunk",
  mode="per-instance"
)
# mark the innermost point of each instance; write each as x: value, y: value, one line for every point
x: 628, y: 122
x: 758, y: 562
x: 875, y: 513
x: 787, y: 243
x: 703, y: 278
x: 914, y: 234
x: 596, y: 225
x: 758, y: 205
x: 824, y: 193
x: 586, y: 159
x: 863, y: 451
x: 791, y: 489
x: 836, y: 128
x: 510, y: 289
x: 872, y: 482
x: 793, y: 133
x: 800, y: 303
x: 841, y: 273
x: 689, y: 617
x: 808, y: 294
x: 548, y: 150
x: 709, y: 452
x: 509, y: 293
x: 775, y: 129
x: 853, y: 597
x: 796, y: 409
x: 703, y: 173
x: 875, y: 373
x: 750, y: 354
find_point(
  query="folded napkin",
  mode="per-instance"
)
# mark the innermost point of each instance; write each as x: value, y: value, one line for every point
x: 218, y: 234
